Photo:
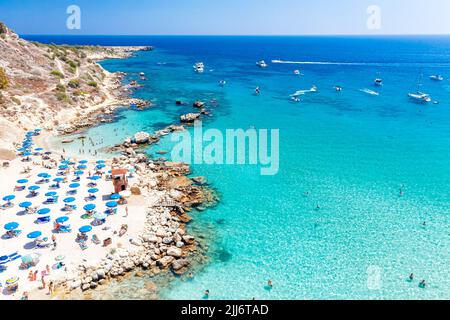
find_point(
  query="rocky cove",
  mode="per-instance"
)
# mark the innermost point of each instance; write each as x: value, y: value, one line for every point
x: 165, y: 248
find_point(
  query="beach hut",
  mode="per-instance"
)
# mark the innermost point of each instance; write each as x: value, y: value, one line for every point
x: 119, y: 179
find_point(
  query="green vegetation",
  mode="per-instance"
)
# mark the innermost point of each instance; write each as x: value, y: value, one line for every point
x: 3, y: 28
x: 3, y: 79
x: 75, y: 83
x: 93, y: 84
x: 57, y: 74
x: 61, y: 93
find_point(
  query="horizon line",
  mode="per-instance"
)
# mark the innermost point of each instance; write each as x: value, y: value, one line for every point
x: 240, y: 35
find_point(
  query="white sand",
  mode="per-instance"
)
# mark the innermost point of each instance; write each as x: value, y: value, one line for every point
x: 66, y: 244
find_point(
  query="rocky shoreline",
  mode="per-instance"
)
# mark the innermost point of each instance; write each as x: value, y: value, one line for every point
x: 165, y: 245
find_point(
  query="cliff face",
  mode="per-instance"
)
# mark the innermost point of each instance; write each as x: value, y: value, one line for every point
x: 47, y: 84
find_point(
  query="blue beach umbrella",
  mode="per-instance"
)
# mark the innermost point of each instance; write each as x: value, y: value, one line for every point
x: 25, y: 204
x: 93, y: 190
x: 26, y: 154
x: 51, y: 194
x: 65, y: 162
x: 38, y: 149
x: 74, y: 185
x: 100, y: 166
x: 111, y: 204
x: 100, y: 216
x: 95, y: 178
x: 82, y: 167
x: 22, y: 181
x: 59, y: 179
x: 69, y: 200
x: 11, y: 226
x: 34, y: 235
x: 9, y: 198
x: 79, y: 173
x: 43, y: 211
x: 89, y: 207
x: 63, y: 167
x: 85, y: 229
x: 115, y: 196
x: 62, y: 219
x: 34, y: 188
x: 22, y: 149
x: 38, y: 130
x: 43, y: 175
x: 100, y: 161
x: 83, y: 161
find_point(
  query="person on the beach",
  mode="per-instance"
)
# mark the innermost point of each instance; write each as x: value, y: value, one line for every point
x: 50, y: 288
x: 270, y: 284
x: 24, y: 296
x: 190, y: 275
x: 126, y: 211
x: 35, y: 275
x: 43, y: 282
x: 47, y: 268
x: 30, y: 275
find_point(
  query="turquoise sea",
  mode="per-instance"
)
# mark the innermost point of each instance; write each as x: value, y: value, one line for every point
x: 378, y: 166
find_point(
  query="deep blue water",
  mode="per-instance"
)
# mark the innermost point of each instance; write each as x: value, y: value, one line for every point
x: 348, y: 151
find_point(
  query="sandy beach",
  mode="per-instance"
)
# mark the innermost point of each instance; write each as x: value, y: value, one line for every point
x: 66, y: 247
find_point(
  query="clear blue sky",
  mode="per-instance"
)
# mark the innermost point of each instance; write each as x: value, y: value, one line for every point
x: 254, y: 17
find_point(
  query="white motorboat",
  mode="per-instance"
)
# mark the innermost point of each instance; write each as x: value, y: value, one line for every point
x: 199, y: 67
x: 420, y: 97
x: 378, y: 82
x: 261, y: 64
x: 437, y: 77
x: 338, y: 88
x: 297, y: 72
x: 222, y: 83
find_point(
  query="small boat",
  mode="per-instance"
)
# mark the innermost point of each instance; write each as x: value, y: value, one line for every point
x: 338, y: 88
x: 437, y: 77
x: 295, y: 99
x: 257, y: 91
x: 261, y: 64
x: 420, y: 97
x: 222, y: 83
x: 199, y: 67
x: 297, y: 72
x: 378, y: 82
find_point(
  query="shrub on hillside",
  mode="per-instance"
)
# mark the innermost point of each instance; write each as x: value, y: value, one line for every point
x: 3, y: 79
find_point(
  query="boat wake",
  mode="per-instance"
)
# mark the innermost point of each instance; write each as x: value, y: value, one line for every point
x: 323, y: 63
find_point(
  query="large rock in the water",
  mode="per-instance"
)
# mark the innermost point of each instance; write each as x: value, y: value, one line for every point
x: 141, y: 138
x: 164, y: 262
x: 190, y: 117
x: 174, y: 252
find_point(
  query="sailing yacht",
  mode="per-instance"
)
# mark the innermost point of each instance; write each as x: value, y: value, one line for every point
x: 419, y: 96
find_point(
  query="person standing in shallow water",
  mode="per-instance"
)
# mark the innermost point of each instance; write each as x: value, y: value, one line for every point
x: 206, y: 294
